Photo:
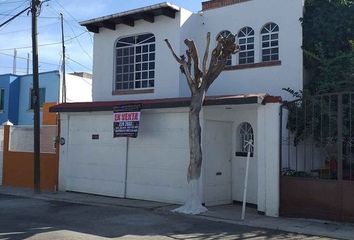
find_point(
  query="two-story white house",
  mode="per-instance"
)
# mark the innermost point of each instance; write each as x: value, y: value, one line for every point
x: 132, y: 65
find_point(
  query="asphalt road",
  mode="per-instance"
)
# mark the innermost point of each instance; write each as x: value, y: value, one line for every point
x: 25, y: 218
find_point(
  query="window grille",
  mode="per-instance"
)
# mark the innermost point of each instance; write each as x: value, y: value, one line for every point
x: 270, y: 42
x: 135, y: 62
x: 246, y: 135
x: 246, y: 43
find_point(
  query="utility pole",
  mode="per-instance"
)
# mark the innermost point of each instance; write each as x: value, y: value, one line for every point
x: 14, y: 62
x: 64, y: 72
x: 35, y: 97
x: 28, y: 62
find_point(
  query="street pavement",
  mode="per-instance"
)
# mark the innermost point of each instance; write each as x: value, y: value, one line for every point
x: 29, y: 218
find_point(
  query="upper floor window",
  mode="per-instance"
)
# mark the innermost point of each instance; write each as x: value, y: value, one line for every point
x: 2, y: 99
x: 225, y: 34
x: 41, y: 98
x: 270, y: 42
x: 135, y: 62
x: 246, y: 43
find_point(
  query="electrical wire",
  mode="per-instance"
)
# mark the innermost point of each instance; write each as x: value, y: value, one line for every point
x: 12, y: 11
x: 10, y: 55
x: 78, y: 63
x: 72, y: 30
x: 29, y: 29
x: 73, y: 18
x: 9, y: 2
x: 43, y: 45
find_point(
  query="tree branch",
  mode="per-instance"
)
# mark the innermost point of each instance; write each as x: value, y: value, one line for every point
x: 184, y: 66
x: 179, y: 60
x: 193, y: 52
x: 206, y: 55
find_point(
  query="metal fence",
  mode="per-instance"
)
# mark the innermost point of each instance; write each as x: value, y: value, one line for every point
x: 317, y: 140
x: 21, y: 139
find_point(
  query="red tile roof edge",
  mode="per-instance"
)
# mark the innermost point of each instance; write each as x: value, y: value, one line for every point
x: 165, y: 103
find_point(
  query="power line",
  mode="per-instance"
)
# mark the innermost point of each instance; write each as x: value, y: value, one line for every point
x: 78, y: 63
x: 9, y: 2
x: 12, y: 18
x: 74, y: 19
x: 43, y: 45
x: 28, y: 29
x: 11, y: 15
x: 10, y: 55
x: 72, y: 30
x: 13, y: 10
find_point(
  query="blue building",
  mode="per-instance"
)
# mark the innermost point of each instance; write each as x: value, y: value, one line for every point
x: 15, y: 93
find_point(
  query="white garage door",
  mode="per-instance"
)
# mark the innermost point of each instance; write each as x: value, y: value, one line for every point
x: 157, y: 160
x: 95, y: 165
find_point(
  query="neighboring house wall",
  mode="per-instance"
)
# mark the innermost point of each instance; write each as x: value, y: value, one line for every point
x: 78, y: 89
x: 50, y: 81
x: 17, y: 94
x: 13, y: 100
x: 11, y: 87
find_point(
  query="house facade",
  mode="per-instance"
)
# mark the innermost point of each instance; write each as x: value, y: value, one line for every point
x: 16, y: 104
x: 132, y: 65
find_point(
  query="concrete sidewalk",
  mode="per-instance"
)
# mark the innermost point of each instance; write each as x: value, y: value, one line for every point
x: 227, y: 213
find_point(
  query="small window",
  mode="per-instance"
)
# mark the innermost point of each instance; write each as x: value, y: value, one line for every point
x: 135, y: 62
x: 2, y: 99
x: 246, y: 43
x: 245, y: 136
x: 225, y: 34
x: 41, y: 98
x: 270, y: 42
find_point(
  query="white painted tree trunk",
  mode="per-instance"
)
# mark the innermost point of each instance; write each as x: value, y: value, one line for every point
x: 193, y: 202
x: 199, y: 80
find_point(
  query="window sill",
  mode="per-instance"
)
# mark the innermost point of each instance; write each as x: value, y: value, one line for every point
x: 242, y: 154
x: 252, y: 65
x: 128, y: 92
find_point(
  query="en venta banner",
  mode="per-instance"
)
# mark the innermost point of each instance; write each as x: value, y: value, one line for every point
x: 126, y: 121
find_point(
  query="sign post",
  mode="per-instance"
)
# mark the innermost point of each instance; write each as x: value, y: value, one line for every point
x: 249, y: 145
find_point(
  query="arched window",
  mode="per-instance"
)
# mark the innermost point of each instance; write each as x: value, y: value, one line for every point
x: 246, y: 43
x: 135, y: 62
x: 225, y: 34
x: 270, y: 42
x: 245, y: 136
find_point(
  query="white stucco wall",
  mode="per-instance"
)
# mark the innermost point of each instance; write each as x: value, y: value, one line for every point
x: 268, y: 159
x: 156, y: 161
x: 256, y: 14
x: 169, y: 82
x: 166, y: 70
x: 78, y: 89
x: 237, y: 115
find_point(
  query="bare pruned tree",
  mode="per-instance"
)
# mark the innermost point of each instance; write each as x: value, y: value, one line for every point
x: 200, y: 76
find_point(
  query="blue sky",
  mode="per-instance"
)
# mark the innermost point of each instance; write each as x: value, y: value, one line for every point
x: 17, y: 34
